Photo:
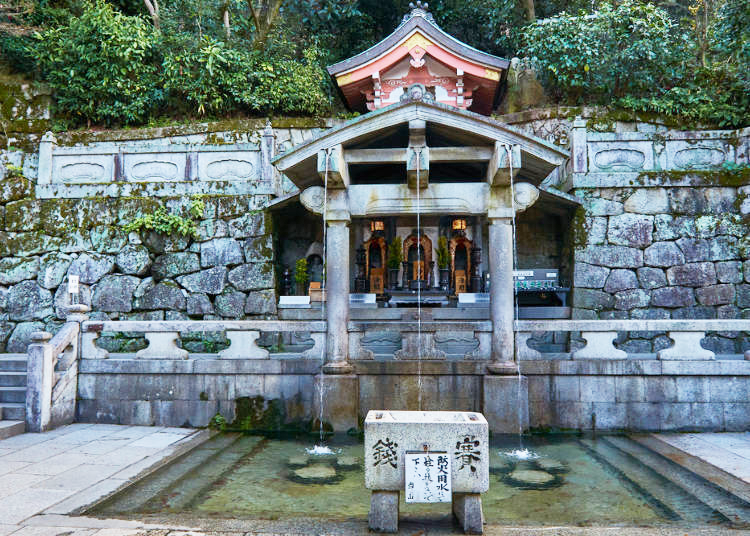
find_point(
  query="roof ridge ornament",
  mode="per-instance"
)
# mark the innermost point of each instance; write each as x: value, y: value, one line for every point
x: 419, y: 9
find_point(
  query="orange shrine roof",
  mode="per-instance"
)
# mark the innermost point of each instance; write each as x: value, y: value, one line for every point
x: 420, y: 52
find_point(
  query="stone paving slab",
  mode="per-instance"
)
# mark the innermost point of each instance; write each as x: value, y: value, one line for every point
x: 73, y: 466
x: 729, y: 452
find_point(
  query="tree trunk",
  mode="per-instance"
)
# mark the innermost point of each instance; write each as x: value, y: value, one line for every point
x: 530, y: 11
x: 153, y: 10
x: 265, y: 13
x: 226, y: 22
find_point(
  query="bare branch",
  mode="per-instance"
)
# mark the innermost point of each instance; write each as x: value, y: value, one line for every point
x: 153, y: 10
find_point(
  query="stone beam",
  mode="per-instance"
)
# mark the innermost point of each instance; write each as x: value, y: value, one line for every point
x: 500, y: 166
x: 333, y: 163
x: 437, y: 154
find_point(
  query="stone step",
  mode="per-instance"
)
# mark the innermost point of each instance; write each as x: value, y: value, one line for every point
x: 11, y: 428
x: 12, y: 363
x: 13, y: 379
x: 654, y: 488
x: 13, y: 411
x: 726, y: 481
x: 736, y: 510
x: 13, y: 394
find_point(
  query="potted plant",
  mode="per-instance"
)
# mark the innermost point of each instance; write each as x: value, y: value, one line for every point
x: 395, y: 256
x: 443, y: 261
x: 301, y: 277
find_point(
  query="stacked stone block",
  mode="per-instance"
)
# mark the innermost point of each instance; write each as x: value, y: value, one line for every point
x: 225, y: 272
x: 657, y: 253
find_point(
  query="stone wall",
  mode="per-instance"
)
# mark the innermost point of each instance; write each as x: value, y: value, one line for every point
x: 639, y: 395
x: 676, y: 252
x: 226, y: 272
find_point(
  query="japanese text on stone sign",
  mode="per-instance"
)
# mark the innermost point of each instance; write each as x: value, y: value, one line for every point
x: 428, y: 477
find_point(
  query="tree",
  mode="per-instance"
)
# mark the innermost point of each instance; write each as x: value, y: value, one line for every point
x: 265, y: 13
x: 153, y: 10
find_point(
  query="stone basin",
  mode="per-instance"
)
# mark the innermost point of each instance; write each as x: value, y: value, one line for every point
x: 390, y: 434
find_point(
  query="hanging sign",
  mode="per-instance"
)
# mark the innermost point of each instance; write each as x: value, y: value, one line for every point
x: 428, y: 477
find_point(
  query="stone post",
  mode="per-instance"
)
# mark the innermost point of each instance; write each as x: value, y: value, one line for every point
x: 337, y: 385
x: 579, y: 146
x: 39, y: 375
x: 337, y: 291
x: 44, y: 168
x: 500, y: 256
x: 505, y: 402
x: 268, y: 173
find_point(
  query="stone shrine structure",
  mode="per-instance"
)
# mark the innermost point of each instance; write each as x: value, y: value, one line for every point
x: 632, y: 263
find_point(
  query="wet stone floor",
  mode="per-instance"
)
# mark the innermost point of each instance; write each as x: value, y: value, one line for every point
x: 569, y: 480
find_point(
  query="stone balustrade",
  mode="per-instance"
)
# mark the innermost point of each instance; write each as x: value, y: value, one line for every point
x: 599, y: 335
x: 155, y: 169
x: 421, y: 340
x: 162, y: 337
x: 51, y: 378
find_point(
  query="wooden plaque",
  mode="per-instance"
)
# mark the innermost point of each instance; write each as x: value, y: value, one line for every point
x: 377, y: 280
x: 460, y: 281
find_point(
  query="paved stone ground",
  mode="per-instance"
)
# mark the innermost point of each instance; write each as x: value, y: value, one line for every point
x: 45, y: 477
x: 729, y: 452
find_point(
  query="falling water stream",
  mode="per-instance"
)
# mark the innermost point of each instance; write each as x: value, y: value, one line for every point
x: 321, y: 449
x: 421, y: 272
x: 521, y: 453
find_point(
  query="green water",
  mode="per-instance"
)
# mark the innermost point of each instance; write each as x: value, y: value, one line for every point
x: 249, y: 477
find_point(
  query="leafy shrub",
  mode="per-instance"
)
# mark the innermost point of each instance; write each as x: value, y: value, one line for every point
x: 609, y: 52
x: 216, y: 78
x: 17, y: 52
x: 169, y: 224
x: 102, y: 65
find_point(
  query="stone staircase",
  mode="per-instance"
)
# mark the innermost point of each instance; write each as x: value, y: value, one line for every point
x: 12, y: 394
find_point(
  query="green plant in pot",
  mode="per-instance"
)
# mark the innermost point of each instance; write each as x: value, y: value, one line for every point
x: 443, y: 262
x: 301, y: 277
x: 395, y: 256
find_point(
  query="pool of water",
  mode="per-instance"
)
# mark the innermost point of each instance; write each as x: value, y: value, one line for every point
x: 568, y: 480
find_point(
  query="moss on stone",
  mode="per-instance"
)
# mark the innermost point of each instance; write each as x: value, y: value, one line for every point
x: 729, y: 177
x: 579, y: 229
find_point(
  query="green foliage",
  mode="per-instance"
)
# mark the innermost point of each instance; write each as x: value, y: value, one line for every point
x: 732, y: 37
x: 215, y: 78
x: 300, y: 272
x: 638, y: 58
x: 713, y: 96
x: 12, y: 171
x: 169, y: 224
x: 395, y: 254
x: 443, y: 255
x: 609, y: 52
x: 218, y: 422
x: 101, y: 65
x: 17, y: 52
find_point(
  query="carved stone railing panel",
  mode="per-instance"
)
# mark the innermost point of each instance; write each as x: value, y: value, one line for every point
x: 599, y: 346
x: 163, y: 336
x: 623, y: 159
x: 687, y: 346
x: 600, y: 335
x: 244, y: 345
x: 154, y: 169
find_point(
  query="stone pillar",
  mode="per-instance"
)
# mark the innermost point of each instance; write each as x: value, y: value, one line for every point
x: 39, y: 380
x: 337, y: 290
x: 500, y: 257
